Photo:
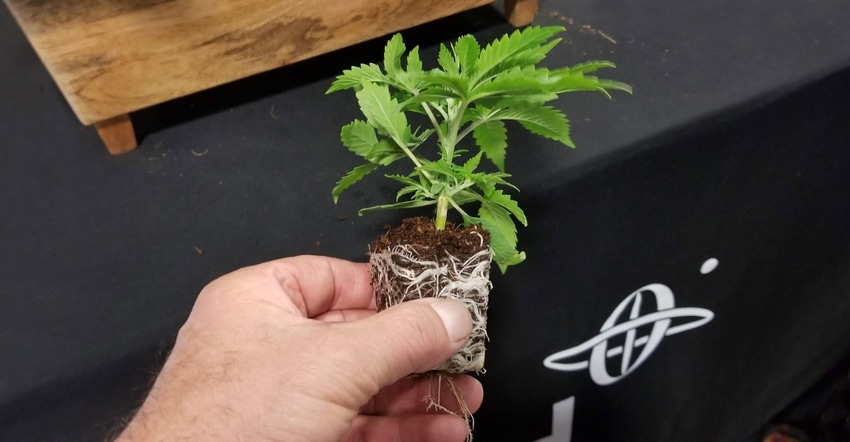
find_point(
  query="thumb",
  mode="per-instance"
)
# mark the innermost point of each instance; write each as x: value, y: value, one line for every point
x: 411, y: 337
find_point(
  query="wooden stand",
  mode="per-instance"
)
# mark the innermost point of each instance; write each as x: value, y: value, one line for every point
x: 117, y: 134
x: 520, y: 12
x: 113, y: 57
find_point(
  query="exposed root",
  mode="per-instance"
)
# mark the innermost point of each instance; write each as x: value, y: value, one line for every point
x: 404, y: 273
x: 434, y: 401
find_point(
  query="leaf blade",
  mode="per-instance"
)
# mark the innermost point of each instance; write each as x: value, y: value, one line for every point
x: 350, y: 178
x: 492, y: 138
x: 381, y: 110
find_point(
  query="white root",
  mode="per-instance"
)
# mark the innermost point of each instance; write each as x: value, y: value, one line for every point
x: 467, y: 281
x: 434, y: 401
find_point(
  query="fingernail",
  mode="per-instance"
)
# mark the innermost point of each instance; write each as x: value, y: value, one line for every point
x: 455, y: 318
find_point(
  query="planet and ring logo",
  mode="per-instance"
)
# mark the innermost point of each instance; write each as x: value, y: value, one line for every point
x: 661, y: 320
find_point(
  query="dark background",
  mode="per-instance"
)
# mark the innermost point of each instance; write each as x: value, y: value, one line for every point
x: 733, y: 146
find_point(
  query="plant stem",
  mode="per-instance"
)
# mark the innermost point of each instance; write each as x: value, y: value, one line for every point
x: 453, y: 129
x: 430, y: 114
x: 442, y: 211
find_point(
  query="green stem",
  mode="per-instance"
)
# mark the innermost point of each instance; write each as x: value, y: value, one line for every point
x: 442, y: 211
x: 453, y: 129
x: 433, y: 119
x: 471, y: 127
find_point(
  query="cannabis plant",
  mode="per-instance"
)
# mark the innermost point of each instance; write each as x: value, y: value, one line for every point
x: 472, y: 93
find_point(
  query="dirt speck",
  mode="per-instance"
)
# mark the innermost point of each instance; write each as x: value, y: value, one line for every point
x: 582, y: 27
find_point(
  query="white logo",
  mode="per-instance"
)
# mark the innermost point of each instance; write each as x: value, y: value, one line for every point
x: 562, y: 421
x: 563, y: 411
x: 629, y: 362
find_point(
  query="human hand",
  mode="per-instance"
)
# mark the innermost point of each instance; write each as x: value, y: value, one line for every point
x: 292, y: 350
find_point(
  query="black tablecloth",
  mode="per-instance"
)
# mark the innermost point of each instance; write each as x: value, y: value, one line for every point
x: 716, y: 195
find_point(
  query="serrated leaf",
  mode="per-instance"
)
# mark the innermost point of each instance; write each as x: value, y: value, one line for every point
x: 515, y: 82
x: 566, y: 81
x: 512, y: 261
x: 407, y: 190
x: 540, y: 120
x: 403, y: 179
x: 408, y: 84
x: 359, y: 137
x: 392, y: 54
x: 466, y: 196
x: 411, y: 186
x: 504, y: 200
x: 453, y: 82
x: 497, y: 56
x: 401, y: 205
x: 496, y: 219
x: 381, y: 110
x: 492, y: 138
x: 431, y: 96
x: 487, y: 182
x: 447, y: 61
x: 466, y: 53
x: 354, y: 77
x: 352, y: 177
x: 440, y: 167
x: 591, y: 66
x: 471, y: 164
x: 414, y: 63
x: 417, y: 138
x: 385, y: 152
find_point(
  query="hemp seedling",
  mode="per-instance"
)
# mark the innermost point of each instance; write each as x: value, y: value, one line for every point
x: 472, y: 93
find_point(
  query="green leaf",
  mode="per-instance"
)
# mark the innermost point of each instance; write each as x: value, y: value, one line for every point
x: 566, y: 81
x: 352, y: 177
x: 354, y: 77
x: 416, y: 190
x: 540, y: 120
x: 408, y: 84
x: 411, y: 186
x: 492, y: 138
x: 381, y: 110
x: 439, y: 167
x: 466, y: 53
x: 414, y: 63
x: 510, y: 50
x: 471, y: 164
x: 496, y: 219
x: 505, y: 201
x: 431, y: 96
x: 514, y: 82
x: 404, y: 180
x: 447, y: 60
x: 359, y: 137
x: 591, y: 66
x: 392, y: 54
x: 384, y: 152
x: 453, y: 82
x: 401, y: 205
x: 487, y: 182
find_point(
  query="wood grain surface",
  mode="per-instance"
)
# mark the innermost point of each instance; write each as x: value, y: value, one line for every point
x: 112, y: 57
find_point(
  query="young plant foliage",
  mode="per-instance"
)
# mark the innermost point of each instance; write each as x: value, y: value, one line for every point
x: 467, y: 99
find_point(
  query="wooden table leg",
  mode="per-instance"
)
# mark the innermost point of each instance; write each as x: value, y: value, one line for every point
x: 520, y: 12
x: 117, y: 133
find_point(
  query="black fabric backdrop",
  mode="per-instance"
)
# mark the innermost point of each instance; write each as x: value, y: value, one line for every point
x: 733, y: 147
